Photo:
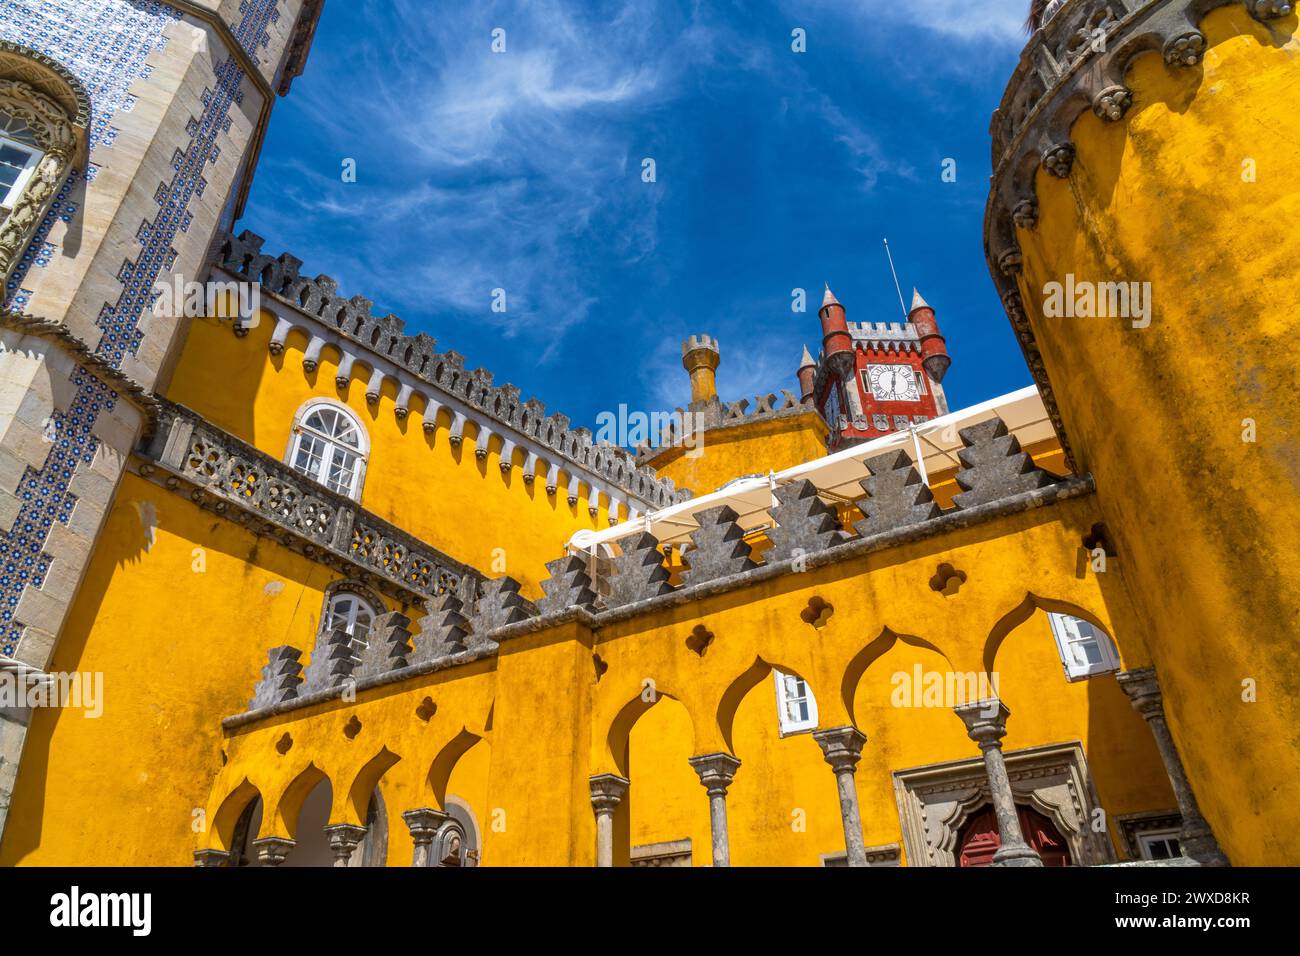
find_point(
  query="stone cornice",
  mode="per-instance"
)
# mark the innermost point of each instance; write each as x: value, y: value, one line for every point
x: 82, y: 354
x: 218, y: 472
x: 596, y: 620
x: 413, y: 365
x: 255, y: 76
x: 304, y: 31
x: 1075, y: 62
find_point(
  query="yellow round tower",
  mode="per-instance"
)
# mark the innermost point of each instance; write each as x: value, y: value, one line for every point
x: 1145, y: 158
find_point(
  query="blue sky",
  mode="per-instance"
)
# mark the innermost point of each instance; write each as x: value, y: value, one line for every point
x: 521, y: 170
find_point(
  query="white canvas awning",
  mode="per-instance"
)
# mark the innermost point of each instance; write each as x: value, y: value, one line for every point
x: 836, y: 476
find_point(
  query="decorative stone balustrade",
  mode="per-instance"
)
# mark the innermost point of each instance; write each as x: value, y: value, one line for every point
x: 222, y: 473
x: 415, y: 368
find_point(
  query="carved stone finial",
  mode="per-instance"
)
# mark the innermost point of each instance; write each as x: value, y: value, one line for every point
x: 719, y: 548
x: 444, y: 631
x: 389, y: 645
x: 897, y: 497
x: 638, y: 572
x: 804, y: 522
x: 332, y: 660
x: 500, y: 603
x: 993, y: 466
x: 280, y: 678
x: 569, y: 585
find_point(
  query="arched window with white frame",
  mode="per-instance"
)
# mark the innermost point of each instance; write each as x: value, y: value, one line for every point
x: 1085, y: 649
x: 19, y: 156
x: 330, y: 446
x: 796, y: 708
x: 350, y: 612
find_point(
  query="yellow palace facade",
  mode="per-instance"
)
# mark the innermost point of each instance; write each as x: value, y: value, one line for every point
x: 357, y: 604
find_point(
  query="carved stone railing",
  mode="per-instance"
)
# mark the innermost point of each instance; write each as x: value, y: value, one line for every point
x: 414, y: 366
x: 1075, y: 62
x: 997, y: 478
x: 221, y: 473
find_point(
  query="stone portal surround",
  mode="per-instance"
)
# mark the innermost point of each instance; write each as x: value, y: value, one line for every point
x: 935, y: 801
x: 413, y: 366
x: 1061, y: 74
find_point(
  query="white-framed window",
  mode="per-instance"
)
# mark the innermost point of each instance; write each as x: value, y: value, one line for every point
x: 1159, y: 845
x: 796, y: 708
x: 1085, y: 650
x: 352, y: 613
x: 329, y: 446
x: 19, y: 157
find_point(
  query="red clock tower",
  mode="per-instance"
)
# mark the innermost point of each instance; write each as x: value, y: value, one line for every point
x: 873, y: 378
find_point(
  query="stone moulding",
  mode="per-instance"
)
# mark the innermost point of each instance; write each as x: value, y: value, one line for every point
x: 220, y: 473
x: 1075, y: 63
x: 314, y: 307
x: 91, y: 361
x: 596, y: 620
x: 936, y: 800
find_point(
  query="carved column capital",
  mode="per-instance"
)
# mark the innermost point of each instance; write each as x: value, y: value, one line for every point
x: 1195, y: 837
x: 841, y: 746
x: 424, y: 823
x: 213, y: 857
x: 985, y: 720
x: 716, y: 771
x: 607, y: 791
x: 1143, y: 691
x: 344, y: 838
x: 272, y: 851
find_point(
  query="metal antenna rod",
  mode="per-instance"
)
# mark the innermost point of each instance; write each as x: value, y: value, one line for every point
x: 897, y: 287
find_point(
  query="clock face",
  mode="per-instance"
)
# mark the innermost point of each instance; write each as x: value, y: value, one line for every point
x: 893, y: 383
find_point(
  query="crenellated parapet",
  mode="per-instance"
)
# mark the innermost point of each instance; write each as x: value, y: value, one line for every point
x: 378, y: 349
x: 998, y: 478
x: 1075, y: 63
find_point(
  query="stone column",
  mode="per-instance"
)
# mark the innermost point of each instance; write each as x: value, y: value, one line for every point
x: 271, y: 851
x: 213, y: 857
x: 716, y: 772
x: 344, y: 838
x: 607, y: 789
x: 842, y: 748
x: 1195, y: 838
x: 424, y: 823
x: 986, y: 723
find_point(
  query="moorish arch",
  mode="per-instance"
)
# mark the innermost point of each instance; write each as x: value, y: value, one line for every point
x: 739, y: 689
x: 875, y: 651
x: 1025, y: 610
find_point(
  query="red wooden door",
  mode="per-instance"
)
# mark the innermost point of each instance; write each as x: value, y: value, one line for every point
x: 979, y: 838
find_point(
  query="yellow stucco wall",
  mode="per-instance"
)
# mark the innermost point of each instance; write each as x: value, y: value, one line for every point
x: 179, y: 648
x: 1205, y: 520
x: 561, y: 704
x: 446, y: 496
x: 727, y: 452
